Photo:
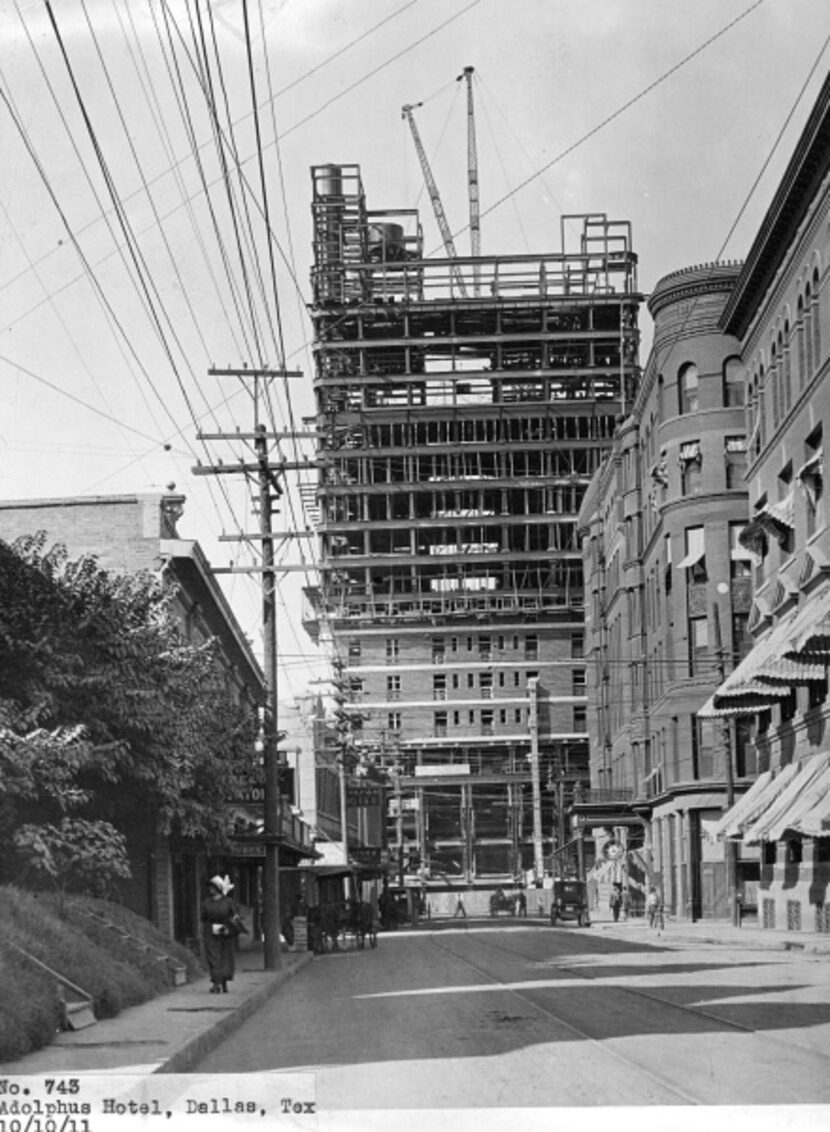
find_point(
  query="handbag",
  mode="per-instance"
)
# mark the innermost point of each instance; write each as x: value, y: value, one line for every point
x: 236, y: 926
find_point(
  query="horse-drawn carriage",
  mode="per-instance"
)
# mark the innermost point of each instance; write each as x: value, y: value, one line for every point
x: 333, y: 927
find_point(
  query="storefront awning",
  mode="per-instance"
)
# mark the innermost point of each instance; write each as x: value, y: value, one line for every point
x: 810, y: 640
x: 783, y: 810
x: 770, y: 670
x: 763, y: 792
x: 812, y: 816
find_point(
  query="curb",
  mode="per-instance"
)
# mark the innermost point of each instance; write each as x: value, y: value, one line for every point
x: 193, y: 1051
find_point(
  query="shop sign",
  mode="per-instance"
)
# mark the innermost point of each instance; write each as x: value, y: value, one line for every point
x: 363, y: 796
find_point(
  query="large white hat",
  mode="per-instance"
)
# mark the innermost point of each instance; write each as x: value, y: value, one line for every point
x: 223, y: 884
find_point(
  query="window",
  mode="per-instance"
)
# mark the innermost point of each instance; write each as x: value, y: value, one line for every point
x: 811, y: 478
x: 580, y: 718
x: 703, y: 747
x: 578, y: 681
x: 440, y: 724
x: 735, y: 457
x: 695, y: 558
x: 690, y: 460
x: 531, y: 676
x: 484, y: 647
x: 733, y: 383
x: 698, y: 645
x: 456, y: 680
x: 516, y: 679
x: 456, y: 718
x: 392, y: 650
x: 501, y: 678
x: 789, y: 706
x: 393, y: 687
x: 503, y: 715
x: 517, y: 715
x: 438, y: 650
x: 487, y: 722
x: 354, y: 652
x: 485, y: 683
x: 439, y: 687
x: 577, y: 646
x: 471, y: 680
x: 816, y: 320
x: 687, y: 388
x: 393, y: 721
x: 531, y: 647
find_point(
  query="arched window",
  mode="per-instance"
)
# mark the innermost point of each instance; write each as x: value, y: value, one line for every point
x: 786, y: 375
x: 802, y: 353
x: 816, y: 321
x: 775, y: 391
x: 762, y: 413
x: 687, y: 388
x: 733, y: 383
x: 808, y: 331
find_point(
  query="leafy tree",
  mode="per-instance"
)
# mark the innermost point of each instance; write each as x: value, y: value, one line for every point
x: 107, y: 717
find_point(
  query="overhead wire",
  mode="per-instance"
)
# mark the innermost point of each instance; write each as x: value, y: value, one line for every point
x: 146, y: 285
x: 618, y: 112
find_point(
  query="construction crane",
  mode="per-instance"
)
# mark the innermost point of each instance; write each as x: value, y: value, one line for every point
x: 434, y: 196
x: 472, y: 178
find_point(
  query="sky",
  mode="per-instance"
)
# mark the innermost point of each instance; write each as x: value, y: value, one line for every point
x: 138, y: 250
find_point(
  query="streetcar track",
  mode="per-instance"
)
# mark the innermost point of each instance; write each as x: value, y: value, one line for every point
x: 606, y: 1049
x: 635, y: 992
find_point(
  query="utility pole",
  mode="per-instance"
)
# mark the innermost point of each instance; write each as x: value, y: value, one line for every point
x: 730, y: 846
x: 265, y: 474
x: 536, y: 785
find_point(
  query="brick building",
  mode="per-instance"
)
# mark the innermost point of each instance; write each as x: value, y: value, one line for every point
x: 666, y: 580
x: 780, y: 315
x: 129, y: 533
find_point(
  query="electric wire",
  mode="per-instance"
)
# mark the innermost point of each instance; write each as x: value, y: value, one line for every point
x: 618, y: 112
x: 296, y: 82
x: 145, y: 281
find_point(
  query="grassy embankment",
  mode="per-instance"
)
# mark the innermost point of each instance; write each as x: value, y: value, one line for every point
x: 116, y: 972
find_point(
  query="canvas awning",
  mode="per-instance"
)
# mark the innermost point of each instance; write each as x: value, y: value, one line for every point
x: 810, y: 640
x: 812, y: 816
x: 763, y: 792
x: 783, y: 810
x: 769, y: 671
x: 695, y: 548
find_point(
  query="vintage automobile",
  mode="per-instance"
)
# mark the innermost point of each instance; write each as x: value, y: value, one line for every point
x: 570, y: 902
x: 500, y: 901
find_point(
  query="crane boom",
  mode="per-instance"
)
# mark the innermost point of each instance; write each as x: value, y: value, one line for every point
x: 472, y: 176
x: 434, y: 196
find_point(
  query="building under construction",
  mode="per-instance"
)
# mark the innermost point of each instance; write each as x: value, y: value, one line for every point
x: 462, y: 406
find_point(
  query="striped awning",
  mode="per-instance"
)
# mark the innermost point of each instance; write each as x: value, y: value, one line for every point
x: 812, y: 816
x: 763, y: 792
x: 771, y: 669
x: 783, y: 811
x: 810, y: 640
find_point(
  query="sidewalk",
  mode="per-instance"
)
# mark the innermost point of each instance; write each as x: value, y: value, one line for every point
x: 722, y: 933
x: 168, y: 1034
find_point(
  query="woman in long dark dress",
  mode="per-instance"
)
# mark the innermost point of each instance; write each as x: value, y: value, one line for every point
x: 218, y: 912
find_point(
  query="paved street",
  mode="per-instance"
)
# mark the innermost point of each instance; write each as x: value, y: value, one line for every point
x: 501, y: 1015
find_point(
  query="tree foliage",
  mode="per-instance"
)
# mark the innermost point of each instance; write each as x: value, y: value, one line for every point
x: 107, y: 716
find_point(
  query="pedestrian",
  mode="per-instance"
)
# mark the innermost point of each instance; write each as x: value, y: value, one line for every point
x: 522, y: 902
x: 652, y: 904
x: 615, y: 900
x: 626, y: 903
x: 460, y: 910
x: 219, y: 933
